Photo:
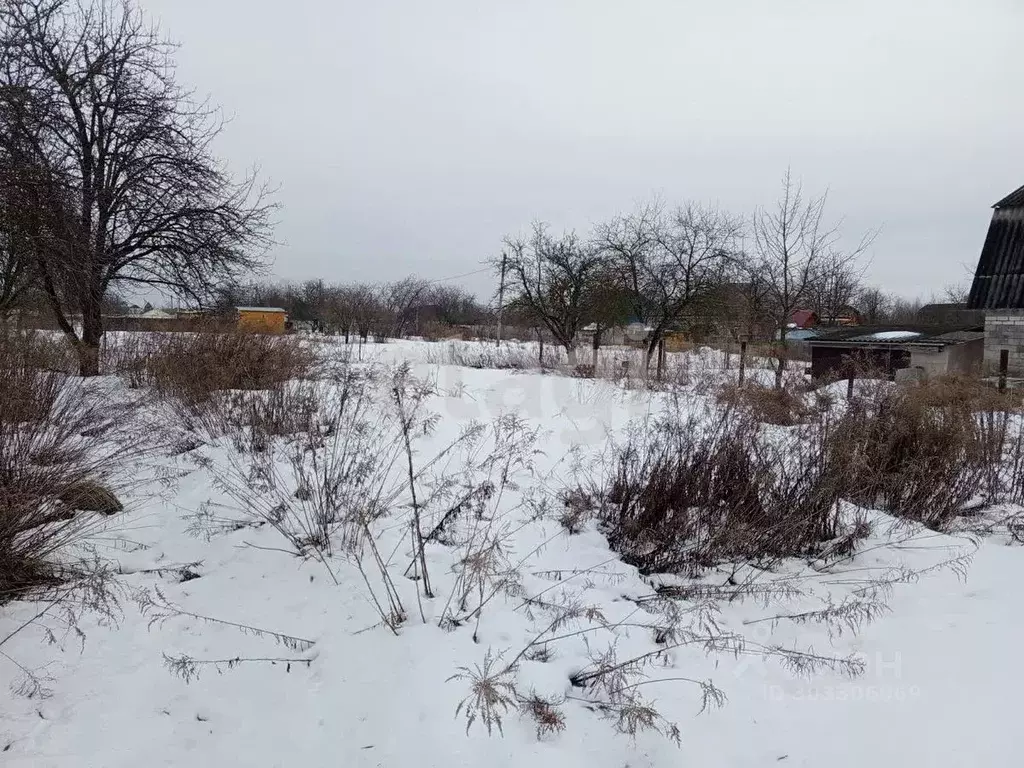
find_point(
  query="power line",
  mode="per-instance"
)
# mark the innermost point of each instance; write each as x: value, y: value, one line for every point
x: 458, y: 277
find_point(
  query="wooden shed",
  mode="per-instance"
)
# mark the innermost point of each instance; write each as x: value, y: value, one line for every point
x: 262, y: 319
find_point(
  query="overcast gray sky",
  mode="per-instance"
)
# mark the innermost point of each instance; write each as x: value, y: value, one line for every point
x: 411, y: 135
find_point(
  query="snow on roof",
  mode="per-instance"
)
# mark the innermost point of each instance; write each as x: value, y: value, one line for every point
x: 259, y: 309
x: 890, y: 336
x: 801, y: 334
x: 157, y: 314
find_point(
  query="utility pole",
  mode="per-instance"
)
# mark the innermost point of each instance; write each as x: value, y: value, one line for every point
x: 501, y: 294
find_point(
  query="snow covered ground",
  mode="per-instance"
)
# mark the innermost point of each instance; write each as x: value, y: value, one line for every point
x: 940, y: 670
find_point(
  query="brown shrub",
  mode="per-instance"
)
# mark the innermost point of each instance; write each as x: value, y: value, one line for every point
x: 964, y: 392
x: 920, y: 452
x: 765, y: 404
x: 578, y: 507
x: 582, y: 371
x: 64, y: 458
x: 254, y: 418
x: 30, y: 383
x: 692, y: 491
x: 192, y: 366
x: 689, y: 492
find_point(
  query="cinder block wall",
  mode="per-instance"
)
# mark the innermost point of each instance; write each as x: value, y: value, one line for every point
x: 932, y: 362
x: 1004, y: 329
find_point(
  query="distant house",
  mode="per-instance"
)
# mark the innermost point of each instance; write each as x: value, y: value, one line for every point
x: 846, y: 316
x: 803, y: 318
x: 262, y: 319
x: 610, y: 335
x: 934, y: 350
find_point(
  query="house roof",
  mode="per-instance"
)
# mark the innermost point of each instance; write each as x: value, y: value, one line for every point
x: 1013, y: 200
x: 802, y: 317
x: 899, y: 335
x: 259, y: 309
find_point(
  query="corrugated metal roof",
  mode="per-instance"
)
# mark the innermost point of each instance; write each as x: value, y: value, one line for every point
x: 899, y: 334
x: 960, y: 336
x: 999, y: 278
x: 801, y: 334
x: 259, y: 309
x: 1013, y: 200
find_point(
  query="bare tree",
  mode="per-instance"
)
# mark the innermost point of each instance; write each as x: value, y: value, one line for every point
x: 16, y: 258
x: 364, y: 308
x: 399, y: 302
x: 834, y: 285
x: 956, y: 293
x: 454, y: 305
x: 902, y: 310
x: 873, y: 304
x: 669, y: 263
x: 90, y: 99
x: 792, y: 245
x: 552, y: 279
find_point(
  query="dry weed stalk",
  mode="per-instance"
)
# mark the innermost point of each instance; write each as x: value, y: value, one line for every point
x: 189, y: 668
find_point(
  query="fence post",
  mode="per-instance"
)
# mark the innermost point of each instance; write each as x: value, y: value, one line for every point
x: 661, y: 357
x: 743, y: 361
x: 1004, y: 365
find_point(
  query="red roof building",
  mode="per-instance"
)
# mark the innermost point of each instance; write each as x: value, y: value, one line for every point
x: 803, y: 318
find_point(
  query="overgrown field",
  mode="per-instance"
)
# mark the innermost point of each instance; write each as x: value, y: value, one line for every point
x: 251, y: 550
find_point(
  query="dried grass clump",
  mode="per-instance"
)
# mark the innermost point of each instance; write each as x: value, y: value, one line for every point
x: 483, y: 355
x: 768, y: 405
x: 29, y: 364
x: 918, y: 454
x: 59, y: 455
x: 192, y: 366
x: 964, y: 392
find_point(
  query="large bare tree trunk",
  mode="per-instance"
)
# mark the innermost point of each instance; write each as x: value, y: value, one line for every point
x: 570, y: 354
x: 652, y: 348
x: 88, y: 346
x: 780, y: 369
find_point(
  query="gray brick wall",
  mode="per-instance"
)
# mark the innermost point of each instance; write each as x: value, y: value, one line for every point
x: 1004, y: 329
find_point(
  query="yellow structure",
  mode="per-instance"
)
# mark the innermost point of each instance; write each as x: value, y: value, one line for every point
x: 261, y: 319
x: 676, y: 341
